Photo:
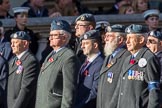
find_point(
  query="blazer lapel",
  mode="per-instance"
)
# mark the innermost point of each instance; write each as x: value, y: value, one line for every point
x: 113, y: 61
x: 139, y: 55
x: 55, y: 57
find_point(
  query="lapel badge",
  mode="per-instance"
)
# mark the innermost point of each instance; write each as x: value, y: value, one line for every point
x: 110, y: 64
x: 50, y: 60
x: 18, y: 62
x: 20, y: 69
x: 142, y: 62
x: 86, y: 73
x: 109, y: 77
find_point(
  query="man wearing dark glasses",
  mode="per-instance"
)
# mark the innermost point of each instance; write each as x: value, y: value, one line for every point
x: 154, y: 43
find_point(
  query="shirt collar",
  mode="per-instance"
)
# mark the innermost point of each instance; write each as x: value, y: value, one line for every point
x: 91, y: 59
x: 21, y: 54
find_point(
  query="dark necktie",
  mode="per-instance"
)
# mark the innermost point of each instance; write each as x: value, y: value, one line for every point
x: 84, y: 66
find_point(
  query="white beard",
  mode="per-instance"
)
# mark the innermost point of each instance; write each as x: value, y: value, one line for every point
x: 110, y: 47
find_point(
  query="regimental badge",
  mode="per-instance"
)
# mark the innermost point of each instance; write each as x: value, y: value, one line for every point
x: 82, y: 18
x: 15, y: 35
x: 108, y: 29
x: 142, y: 62
x: 58, y: 23
x: 109, y: 77
x: 19, y: 69
x: 102, y: 25
x: 85, y: 36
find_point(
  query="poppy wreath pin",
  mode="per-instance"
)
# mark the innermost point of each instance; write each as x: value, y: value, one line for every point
x: 86, y: 73
x: 18, y: 62
x: 132, y: 61
x: 50, y: 60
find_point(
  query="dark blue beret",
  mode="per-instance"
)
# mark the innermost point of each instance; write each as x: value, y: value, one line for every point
x: 116, y: 28
x: 60, y: 25
x: 156, y: 34
x: 20, y: 35
x: 133, y: 28
x: 86, y: 17
x: 92, y: 34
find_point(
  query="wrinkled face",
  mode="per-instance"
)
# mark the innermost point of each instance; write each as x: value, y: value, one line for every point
x: 87, y: 46
x: 81, y: 27
x: 18, y: 46
x: 142, y: 5
x: 153, y: 44
x: 5, y: 6
x: 57, y: 39
x: 133, y: 43
x: 21, y: 19
x: 152, y: 22
x: 129, y: 11
x: 111, y: 43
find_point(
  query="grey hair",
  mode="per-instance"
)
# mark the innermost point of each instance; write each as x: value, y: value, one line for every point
x: 67, y: 34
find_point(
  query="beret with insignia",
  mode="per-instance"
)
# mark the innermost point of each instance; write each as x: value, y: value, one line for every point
x: 60, y: 25
x: 20, y: 35
x: 156, y: 34
x: 92, y: 34
x: 133, y: 28
x: 101, y: 25
x: 86, y: 17
x: 116, y: 28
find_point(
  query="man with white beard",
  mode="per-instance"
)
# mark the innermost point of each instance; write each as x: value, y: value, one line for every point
x: 115, y: 52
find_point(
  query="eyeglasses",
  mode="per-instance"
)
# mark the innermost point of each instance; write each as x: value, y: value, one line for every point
x: 151, y: 41
x: 55, y: 35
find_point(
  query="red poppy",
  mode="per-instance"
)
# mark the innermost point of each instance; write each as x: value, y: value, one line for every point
x: 18, y: 62
x: 86, y: 73
x: 50, y: 59
x: 132, y: 61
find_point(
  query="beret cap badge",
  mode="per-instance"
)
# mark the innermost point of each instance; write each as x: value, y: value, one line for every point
x: 85, y: 36
x: 82, y: 18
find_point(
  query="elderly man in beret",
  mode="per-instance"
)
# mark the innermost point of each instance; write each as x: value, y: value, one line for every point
x: 140, y: 75
x: 89, y: 72
x: 115, y: 51
x: 58, y: 77
x: 83, y: 23
x: 152, y: 19
x: 23, y: 73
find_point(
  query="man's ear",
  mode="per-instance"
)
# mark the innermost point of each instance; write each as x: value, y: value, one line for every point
x: 142, y: 40
x: 95, y: 44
